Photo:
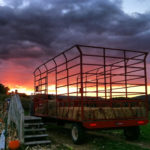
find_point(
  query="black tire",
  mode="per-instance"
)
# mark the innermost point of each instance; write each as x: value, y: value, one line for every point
x: 60, y: 123
x: 132, y: 133
x: 77, y: 134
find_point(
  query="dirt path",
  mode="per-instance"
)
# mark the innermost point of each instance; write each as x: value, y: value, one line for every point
x: 62, y: 136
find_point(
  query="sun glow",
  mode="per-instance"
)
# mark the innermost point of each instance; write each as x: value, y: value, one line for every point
x: 21, y: 89
x: 52, y: 88
x: 137, y: 90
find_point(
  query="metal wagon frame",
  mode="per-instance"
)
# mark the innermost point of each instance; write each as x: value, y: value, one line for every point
x: 90, y: 77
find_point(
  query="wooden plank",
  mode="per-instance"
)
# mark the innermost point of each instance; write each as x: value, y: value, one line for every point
x: 33, y: 124
x: 34, y: 136
x: 38, y: 142
x: 37, y: 129
x: 31, y: 118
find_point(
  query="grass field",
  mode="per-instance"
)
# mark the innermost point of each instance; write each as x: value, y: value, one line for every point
x: 110, y: 144
x: 107, y: 144
x: 145, y: 133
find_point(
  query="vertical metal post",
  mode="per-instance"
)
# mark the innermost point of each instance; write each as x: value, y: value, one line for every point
x: 34, y: 83
x: 67, y: 81
x: 77, y: 86
x: 125, y: 71
x: 67, y: 76
x: 86, y: 85
x: 145, y: 74
x: 40, y: 82
x: 111, y: 83
x: 46, y: 80
x: 56, y: 85
x: 97, y: 89
x: 55, y: 77
x: 81, y: 82
x: 97, y: 84
x: 105, y: 73
x: 46, y: 86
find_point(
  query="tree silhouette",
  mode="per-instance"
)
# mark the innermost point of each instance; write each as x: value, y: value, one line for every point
x: 3, y: 89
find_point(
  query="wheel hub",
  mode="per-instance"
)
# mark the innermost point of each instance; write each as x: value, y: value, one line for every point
x: 75, y: 133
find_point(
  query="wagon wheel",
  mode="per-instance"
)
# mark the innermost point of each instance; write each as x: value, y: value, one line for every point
x: 77, y: 133
x: 132, y: 133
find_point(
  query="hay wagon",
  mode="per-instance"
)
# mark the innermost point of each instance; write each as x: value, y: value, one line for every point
x: 93, y: 88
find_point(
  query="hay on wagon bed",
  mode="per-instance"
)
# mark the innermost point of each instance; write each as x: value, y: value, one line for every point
x: 90, y: 113
x: 47, y: 108
x: 101, y: 113
x: 52, y: 108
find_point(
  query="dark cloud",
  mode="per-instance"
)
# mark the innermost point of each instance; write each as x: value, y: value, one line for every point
x: 38, y: 29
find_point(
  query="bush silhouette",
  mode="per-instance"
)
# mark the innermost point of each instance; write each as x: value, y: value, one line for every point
x: 3, y: 89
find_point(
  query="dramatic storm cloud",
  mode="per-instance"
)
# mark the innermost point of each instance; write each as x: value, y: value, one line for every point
x: 32, y: 31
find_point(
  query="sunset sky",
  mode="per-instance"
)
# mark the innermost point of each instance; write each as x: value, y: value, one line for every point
x: 32, y: 31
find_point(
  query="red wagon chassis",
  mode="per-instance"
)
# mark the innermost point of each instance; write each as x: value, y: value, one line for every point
x: 95, y: 86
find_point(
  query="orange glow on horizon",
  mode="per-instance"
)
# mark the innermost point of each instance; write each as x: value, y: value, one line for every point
x: 20, y: 89
x: 30, y: 90
x: 74, y: 89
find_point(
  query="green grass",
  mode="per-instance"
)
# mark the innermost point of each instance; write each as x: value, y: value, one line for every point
x: 111, y: 145
x: 3, y: 97
x: 145, y: 133
x: 107, y: 144
x: 62, y: 147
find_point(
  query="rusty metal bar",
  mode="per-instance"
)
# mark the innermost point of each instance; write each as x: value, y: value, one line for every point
x: 112, y: 48
x: 67, y: 75
x: 147, y: 103
x: 46, y: 80
x: 105, y: 73
x: 125, y: 74
x: 81, y: 78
